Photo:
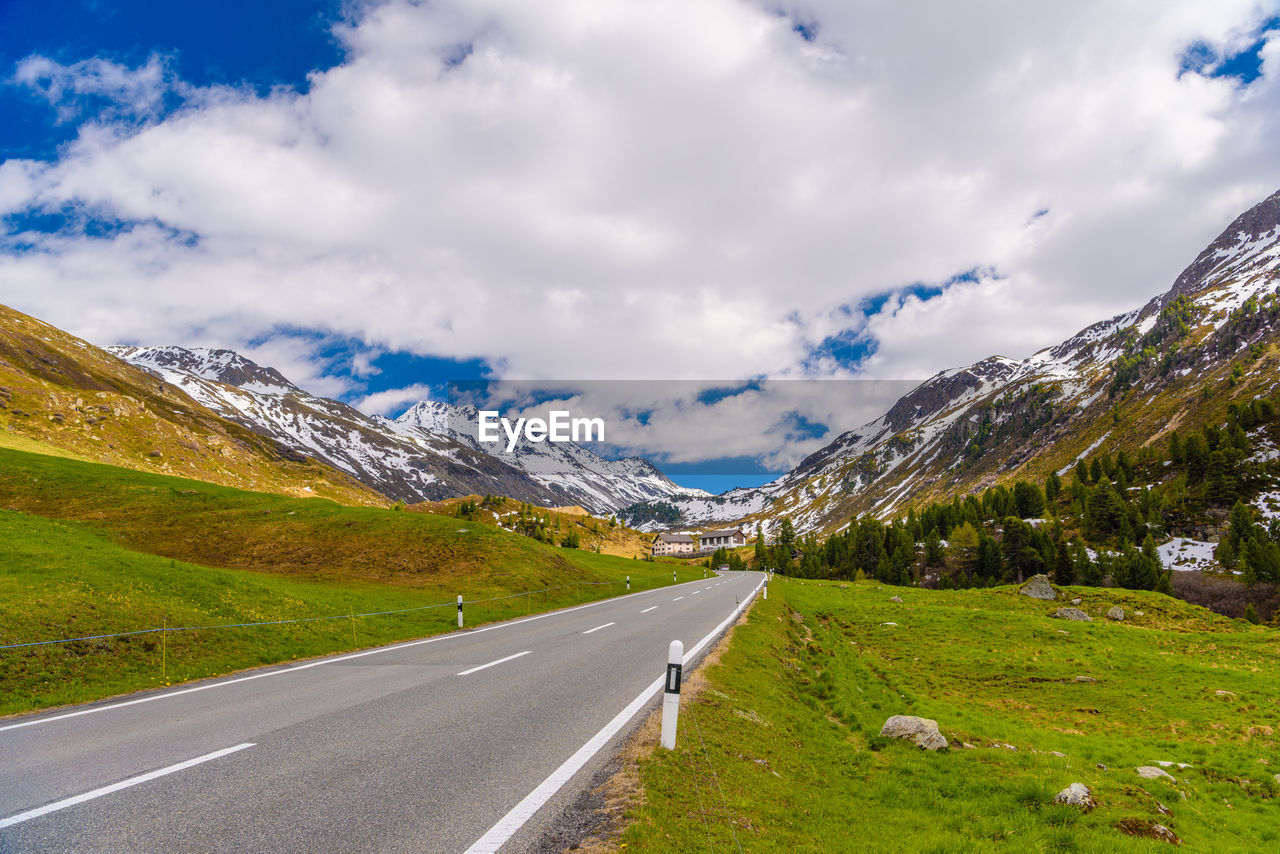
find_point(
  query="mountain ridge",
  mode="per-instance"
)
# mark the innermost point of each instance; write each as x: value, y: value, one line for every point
x: 969, y: 427
x: 428, y: 453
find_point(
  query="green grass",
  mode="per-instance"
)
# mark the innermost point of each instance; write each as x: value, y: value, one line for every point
x: 89, y: 549
x: 791, y: 718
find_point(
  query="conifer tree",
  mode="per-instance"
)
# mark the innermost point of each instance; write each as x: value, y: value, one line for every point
x: 1064, y: 571
x: 934, y: 551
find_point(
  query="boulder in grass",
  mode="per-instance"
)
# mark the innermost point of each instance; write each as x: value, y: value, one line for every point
x: 1145, y: 828
x: 1072, y: 614
x: 922, y: 731
x: 1151, y: 772
x: 1115, y: 613
x: 897, y: 599
x: 1038, y: 587
x: 1076, y: 795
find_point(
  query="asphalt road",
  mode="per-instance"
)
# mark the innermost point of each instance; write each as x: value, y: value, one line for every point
x: 423, y: 746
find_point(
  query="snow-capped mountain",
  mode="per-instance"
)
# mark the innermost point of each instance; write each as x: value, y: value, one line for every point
x: 570, y: 470
x: 430, y: 452
x: 1120, y: 383
x: 426, y: 467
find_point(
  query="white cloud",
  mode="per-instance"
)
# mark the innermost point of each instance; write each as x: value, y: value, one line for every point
x: 131, y: 92
x: 771, y: 422
x: 665, y: 189
x: 394, y: 401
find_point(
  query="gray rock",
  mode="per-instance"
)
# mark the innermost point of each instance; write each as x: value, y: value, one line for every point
x: 1076, y: 795
x: 1072, y: 614
x: 1139, y: 613
x: 1115, y: 613
x: 897, y: 599
x: 1084, y: 679
x: 1076, y: 601
x: 1145, y: 829
x: 1151, y: 772
x: 1038, y: 587
x: 922, y: 731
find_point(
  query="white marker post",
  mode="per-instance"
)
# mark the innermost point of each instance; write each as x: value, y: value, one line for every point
x: 765, y: 590
x: 673, y: 576
x: 628, y: 583
x: 459, y: 610
x: 671, y: 694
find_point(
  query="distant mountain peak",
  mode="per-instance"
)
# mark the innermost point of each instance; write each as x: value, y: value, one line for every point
x: 218, y: 365
x: 429, y: 452
x: 1250, y: 235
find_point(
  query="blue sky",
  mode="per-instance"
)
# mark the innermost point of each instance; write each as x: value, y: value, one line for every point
x: 379, y: 198
x: 231, y: 42
x: 209, y: 44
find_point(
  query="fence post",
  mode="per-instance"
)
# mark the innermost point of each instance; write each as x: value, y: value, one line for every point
x: 459, y: 610
x: 671, y: 694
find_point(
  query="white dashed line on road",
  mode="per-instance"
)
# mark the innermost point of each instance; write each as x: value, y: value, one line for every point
x: 493, y: 663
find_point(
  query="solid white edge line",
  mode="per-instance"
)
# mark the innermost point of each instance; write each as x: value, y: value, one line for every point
x: 598, y: 628
x: 287, y: 668
x: 115, y: 787
x: 478, y: 668
x: 647, y: 610
x: 507, y: 826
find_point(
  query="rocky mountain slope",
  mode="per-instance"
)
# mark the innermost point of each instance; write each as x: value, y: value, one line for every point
x: 59, y: 393
x: 428, y: 453
x: 1119, y: 384
x: 576, y: 473
x: 424, y: 467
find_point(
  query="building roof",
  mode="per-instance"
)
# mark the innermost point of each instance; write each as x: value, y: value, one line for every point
x: 674, y: 538
x: 725, y: 532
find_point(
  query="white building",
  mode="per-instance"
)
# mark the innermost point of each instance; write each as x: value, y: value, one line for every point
x: 672, y: 544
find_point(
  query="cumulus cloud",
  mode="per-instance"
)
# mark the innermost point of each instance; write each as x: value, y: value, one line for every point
x: 395, y: 401
x: 658, y: 190
x: 118, y: 91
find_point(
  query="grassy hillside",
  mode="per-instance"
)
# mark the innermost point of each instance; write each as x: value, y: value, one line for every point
x: 62, y: 392
x: 88, y: 549
x: 783, y: 748
x: 594, y: 533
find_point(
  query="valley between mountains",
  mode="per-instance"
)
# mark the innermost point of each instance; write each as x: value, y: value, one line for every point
x: 171, y: 514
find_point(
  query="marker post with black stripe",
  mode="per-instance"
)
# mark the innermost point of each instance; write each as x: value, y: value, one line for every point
x: 459, y: 611
x: 671, y: 694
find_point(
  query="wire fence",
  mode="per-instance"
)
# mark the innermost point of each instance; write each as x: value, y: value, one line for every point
x: 349, y: 616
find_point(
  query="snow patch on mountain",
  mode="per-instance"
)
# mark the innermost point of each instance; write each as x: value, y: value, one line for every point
x: 429, y: 452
